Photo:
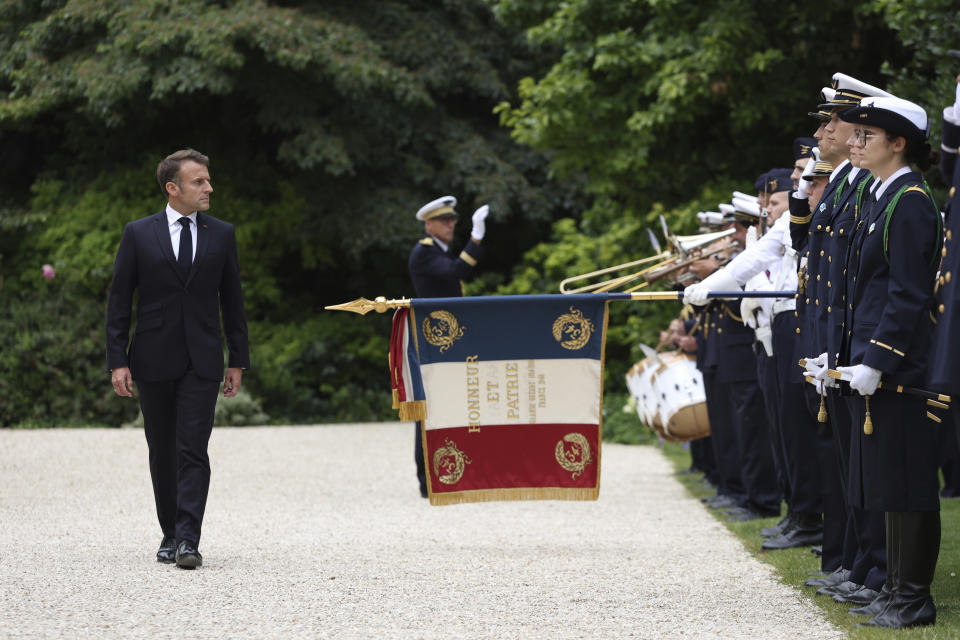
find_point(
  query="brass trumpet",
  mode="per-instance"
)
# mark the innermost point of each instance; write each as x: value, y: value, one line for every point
x: 685, y: 250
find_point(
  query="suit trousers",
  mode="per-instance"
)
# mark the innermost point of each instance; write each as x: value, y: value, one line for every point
x: 178, y: 420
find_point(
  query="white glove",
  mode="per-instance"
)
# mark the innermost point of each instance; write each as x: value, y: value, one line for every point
x: 719, y: 280
x: 479, y: 222
x: 952, y: 113
x: 804, y: 186
x: 747, y: 308
x: 815, y: 365
x: 863, y: 379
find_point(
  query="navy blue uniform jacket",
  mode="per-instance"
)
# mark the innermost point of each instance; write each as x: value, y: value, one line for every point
x: 945, y: 367
x: 436, y: 273
x: 888, y: 319
x: 178, y: 321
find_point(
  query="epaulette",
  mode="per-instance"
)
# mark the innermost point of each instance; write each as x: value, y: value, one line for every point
x: 427, y: 241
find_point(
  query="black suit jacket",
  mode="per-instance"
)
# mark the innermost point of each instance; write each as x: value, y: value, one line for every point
x: 178, y: 321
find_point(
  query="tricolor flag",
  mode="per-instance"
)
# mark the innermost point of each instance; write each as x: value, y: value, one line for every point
x: 509, y: 390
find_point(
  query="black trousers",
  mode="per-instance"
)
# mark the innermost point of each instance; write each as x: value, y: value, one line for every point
x: 798, y: 428
x: 723, y: 435
x: 178, y: 420
x: 756, y: 457
x: 770, y: 386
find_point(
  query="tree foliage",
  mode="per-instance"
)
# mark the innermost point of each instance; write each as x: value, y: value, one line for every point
x: 653, y: 99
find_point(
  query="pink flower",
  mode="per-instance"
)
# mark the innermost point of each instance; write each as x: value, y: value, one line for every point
x: 48, y: 272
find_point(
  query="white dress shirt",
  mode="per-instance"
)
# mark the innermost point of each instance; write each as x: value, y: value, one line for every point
x: 174, y: 226
x: 883, y: 187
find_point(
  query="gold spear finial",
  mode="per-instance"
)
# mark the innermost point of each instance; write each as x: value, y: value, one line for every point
x: 364, y: 306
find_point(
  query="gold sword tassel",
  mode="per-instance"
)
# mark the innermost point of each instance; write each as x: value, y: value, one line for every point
x: 867, y: 423
x: 822, y: 415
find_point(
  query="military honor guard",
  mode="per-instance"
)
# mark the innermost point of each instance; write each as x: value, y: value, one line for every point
x: 437, y: 272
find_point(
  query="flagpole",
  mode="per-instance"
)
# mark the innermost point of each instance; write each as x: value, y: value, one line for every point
x: 380, y: 304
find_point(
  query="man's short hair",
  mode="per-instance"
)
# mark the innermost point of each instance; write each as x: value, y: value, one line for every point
x: 169, y: 168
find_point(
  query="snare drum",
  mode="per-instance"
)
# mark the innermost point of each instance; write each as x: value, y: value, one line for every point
x: 670, y: 398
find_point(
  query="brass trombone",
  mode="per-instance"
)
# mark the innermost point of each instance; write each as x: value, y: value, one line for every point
x: 685, y: 250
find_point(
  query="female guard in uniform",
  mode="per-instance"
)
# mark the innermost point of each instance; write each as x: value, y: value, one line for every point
x: 891, y: 265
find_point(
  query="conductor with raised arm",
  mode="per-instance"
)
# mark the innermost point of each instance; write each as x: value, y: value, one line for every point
x: 183, y: 265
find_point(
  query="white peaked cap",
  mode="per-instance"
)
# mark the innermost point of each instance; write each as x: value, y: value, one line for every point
x: 843, y: 82
x: 744, y: 196
x: 747, y: 206
x: 711, y: 217
x: 904, y: 108
x: 726, y: 208
x: 441, y: 206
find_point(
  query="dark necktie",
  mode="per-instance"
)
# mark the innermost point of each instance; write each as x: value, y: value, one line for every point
x: 185, y: 257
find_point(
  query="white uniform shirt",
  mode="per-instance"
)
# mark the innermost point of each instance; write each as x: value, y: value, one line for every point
x: 766, y: 253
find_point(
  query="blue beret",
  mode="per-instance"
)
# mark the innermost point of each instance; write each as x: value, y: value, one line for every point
x: 803, y: 147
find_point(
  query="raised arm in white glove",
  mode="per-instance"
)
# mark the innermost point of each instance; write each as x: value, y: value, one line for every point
x: 863, y: 379
x: 804, y: 186
x: 719, y: 280
x: 479, y: 222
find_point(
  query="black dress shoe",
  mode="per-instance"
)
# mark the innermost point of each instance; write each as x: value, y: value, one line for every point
x: 843, y: 589
x: 746, y: 515
x: 168, y: 550
x: 777, y: 529
x: 836, y: 577
x: 862, y: 596
x: 187, y: 556
x: 722, y: 502
x: 793, y: 538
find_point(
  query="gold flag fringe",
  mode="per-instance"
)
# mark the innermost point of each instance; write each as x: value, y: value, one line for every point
x: 396, y: 399
x: 517, y: 493
x: 413, y: 410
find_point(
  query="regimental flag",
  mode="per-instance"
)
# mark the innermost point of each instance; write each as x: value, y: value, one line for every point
x: 509, y: 390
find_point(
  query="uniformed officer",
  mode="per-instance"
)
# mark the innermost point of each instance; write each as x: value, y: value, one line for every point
x: 945, y: 369
x: 437, y: 273
x: 891, y: 265
x: 803, y: 149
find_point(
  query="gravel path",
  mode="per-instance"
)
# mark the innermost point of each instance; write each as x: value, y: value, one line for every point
x: 320, y: 533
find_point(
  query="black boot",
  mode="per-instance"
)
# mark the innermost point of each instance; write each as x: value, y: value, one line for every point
x: 875, y: 608
x: 911, y: 604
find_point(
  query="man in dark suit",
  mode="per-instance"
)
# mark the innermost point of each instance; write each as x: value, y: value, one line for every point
x: 183, y: 265
x: 437, y: 273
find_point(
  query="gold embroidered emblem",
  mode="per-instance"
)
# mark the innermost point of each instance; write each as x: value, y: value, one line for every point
x: 451, y: 461
x: 572, y: 330
x: 573, y: 453
x: 773, y: 185
x: 441, y: 329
